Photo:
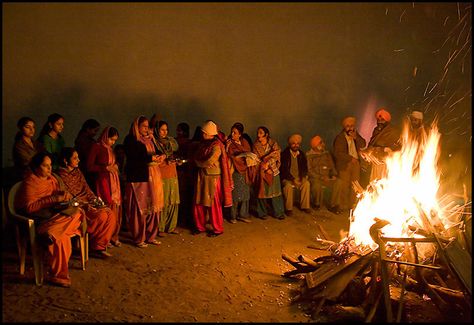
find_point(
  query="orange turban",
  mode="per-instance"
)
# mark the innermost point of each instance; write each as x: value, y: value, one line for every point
x: 348, y: 120
x: 315, y: 141
x: 382, y: 113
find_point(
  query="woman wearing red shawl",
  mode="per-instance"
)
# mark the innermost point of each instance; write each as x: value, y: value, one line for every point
x: 268, y: 185
x: 101, y: 162
x: 237, y: 147
x: 213, y: 183
x: 101, y: 221
x: 143, y: 199
x: 38, y: 192
x: 169, y: 214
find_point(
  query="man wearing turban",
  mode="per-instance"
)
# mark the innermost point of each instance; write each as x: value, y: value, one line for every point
x: 294, y: 175
x: 321, y: 172
x: 346, y: 148
x: 385, y: 139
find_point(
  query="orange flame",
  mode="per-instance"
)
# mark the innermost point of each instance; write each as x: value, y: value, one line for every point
x: 411, y: 184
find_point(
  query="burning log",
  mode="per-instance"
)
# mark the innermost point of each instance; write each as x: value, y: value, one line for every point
x: 328, y: 278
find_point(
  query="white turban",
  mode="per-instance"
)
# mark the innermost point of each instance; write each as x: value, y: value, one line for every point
x: 209, y: 128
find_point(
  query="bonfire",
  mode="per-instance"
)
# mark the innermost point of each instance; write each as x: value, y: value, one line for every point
x: 403, y: 236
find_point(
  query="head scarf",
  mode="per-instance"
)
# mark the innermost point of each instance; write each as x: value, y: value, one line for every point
x: 382, y: 113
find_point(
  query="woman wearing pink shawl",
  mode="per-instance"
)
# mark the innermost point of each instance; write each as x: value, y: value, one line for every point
x: 143, y: 199
x: 213, y: 184
x: 101, y: 163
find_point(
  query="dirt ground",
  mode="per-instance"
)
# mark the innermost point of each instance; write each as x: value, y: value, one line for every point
x: 235, y: 277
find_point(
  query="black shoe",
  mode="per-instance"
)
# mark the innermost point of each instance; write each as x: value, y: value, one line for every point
x: 213, y: 234
x: 334, y: 209
x: 196, y: 232
x: 306, y: 211
x: 289, y: 212
x: 317, y: 207
x: 280, y: 217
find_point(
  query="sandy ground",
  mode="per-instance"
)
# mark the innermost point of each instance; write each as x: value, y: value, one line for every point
x: 235, y: 277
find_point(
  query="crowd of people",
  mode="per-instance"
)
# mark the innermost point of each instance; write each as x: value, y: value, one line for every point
x: 155, y: 182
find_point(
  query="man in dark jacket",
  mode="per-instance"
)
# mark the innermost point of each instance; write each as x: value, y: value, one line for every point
x: 346, y: 149
x: 294, y: 175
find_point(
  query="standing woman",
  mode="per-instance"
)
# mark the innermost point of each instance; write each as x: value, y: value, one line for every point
x: 213, y: 183
x: 169, y: 214
x: 51, y: 139
x: 24, y: 147
x: 268, y: 187
x: 236, y: 147
x: 83, y: 144
x: 102, y: 165
x: 143, y: 199
x: 101, y: 221
x: 38, y: 192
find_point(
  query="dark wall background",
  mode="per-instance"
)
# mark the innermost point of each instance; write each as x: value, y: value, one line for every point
x: 293, y: 67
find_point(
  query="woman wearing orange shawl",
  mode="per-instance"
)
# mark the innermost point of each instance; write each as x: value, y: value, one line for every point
x: 213, y: 184
x: 237, y: 147
x: 143, y: 199
x: 101, y: 162
x: 268, y: 187
x: 101, y: 222
x: 38, y: 192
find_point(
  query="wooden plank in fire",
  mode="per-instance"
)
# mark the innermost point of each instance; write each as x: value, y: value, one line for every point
x: 336, y: 285
x: 329, y: 269
x: 461, y: 262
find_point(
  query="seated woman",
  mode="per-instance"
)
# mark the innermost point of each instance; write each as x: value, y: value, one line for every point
x: 101, y: 221
x: 39, y: 192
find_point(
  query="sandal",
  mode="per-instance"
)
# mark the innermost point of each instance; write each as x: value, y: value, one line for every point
x: 154, y: 242
x: 116, y: 243
x: 175, y: 232
x: 142, y: 245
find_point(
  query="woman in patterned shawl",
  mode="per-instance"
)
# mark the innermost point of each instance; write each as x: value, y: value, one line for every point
x: 101, y: 222
x: 237, y: 147
x: 268, y: 187
x: 101, y: 162
x: 169, y: 214
x: 143, y: 199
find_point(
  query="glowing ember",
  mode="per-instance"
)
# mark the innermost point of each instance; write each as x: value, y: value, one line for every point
x: 411, y: 184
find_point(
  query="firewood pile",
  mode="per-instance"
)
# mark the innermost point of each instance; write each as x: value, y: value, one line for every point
x: 372, y: 285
